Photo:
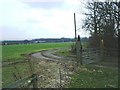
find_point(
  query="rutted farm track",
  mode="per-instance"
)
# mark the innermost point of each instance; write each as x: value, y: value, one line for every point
x: 54, y: 71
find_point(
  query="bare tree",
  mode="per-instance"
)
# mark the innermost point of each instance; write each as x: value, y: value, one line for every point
x: 103, y: 22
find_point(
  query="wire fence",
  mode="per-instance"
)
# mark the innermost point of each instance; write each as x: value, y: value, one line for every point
x: 30, y: 79
x: 27, y: 82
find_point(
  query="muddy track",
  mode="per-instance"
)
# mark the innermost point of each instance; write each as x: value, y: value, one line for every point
x: 50, y: 66
x: 54, y: 71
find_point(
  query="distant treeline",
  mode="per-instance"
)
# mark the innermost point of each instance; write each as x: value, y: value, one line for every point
x: 41, y: 40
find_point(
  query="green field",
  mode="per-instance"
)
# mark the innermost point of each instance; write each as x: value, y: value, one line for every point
x: 13, y: 52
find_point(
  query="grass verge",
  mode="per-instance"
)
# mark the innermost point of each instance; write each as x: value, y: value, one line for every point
x: 64, y: 52
x: 90, y: 76
x: 7, y: 74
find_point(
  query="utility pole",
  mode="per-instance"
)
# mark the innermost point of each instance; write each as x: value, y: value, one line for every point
x: 75, y: 28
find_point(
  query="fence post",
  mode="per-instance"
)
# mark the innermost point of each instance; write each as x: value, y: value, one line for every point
x: 34, y: 81
x: 60, y: 77
x: 79, y: 50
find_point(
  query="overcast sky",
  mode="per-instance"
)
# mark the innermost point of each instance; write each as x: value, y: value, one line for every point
x: 29, y: 19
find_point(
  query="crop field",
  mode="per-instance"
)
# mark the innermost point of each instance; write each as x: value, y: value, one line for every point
x: 14, y: 52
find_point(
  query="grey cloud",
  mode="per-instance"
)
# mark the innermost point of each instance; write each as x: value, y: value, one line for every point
x: 45, y: 5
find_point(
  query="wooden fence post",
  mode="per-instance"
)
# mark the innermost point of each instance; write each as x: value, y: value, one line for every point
x: 17, y: 71
x: 79, y: 50
x: 34, y: 81
x: 60, y: 77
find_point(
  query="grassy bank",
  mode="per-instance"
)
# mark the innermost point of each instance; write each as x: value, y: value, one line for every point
x: 91, y: 76
x: 10, y: 74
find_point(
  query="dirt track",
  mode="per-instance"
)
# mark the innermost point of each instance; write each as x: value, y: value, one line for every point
x: 50, y: 66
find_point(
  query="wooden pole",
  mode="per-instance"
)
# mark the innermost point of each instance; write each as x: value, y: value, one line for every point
x: 75, y: 28
x: 17, y: 71
x: 60, y: 77
x: 79, y: 50
x: 34, y: 81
